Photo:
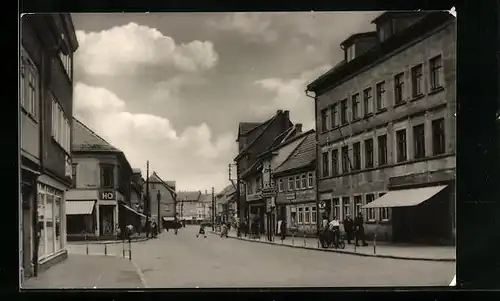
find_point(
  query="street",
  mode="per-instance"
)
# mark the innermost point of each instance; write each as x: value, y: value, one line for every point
x: 186, y: 261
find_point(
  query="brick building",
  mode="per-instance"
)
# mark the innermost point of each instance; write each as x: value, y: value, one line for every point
x: 385, y: 118
x: 48, y: 42
x: 253, y: 139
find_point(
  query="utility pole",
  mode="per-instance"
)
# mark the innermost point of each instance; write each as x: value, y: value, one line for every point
x: 213, y: 211
x: 147, y: 203
x: 158, y: 197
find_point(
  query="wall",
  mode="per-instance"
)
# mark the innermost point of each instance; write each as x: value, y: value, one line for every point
x: 88, y: 174
x: 167, y: 207
x: 30, y: 138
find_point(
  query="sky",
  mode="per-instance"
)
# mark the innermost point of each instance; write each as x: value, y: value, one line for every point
x: 171, y: 88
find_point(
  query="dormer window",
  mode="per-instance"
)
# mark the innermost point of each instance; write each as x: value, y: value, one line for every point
x: 385, y: 30
x: 350, y: 52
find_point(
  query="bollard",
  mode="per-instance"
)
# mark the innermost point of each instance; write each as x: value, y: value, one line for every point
x: 375, y: 244
x: 305, y: 243
x: 87, y: 249
x: 293, y: 239
x: 105, y: 249
x: 355, y: 245
x: 123, y: 249
x: 129, y: 250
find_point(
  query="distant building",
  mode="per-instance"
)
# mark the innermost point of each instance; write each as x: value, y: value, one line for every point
x: 187, y: 206
x: 48, y: 42
x: 225, y: 202
x: 167, y: 194
x: 386, y: 125
x: 204, y: 208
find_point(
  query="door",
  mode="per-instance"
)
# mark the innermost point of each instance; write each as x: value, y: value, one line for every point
x: 27, y: 229
x: 107, y: 220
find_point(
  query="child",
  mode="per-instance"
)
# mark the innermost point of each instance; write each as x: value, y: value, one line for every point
x: 202, y: 231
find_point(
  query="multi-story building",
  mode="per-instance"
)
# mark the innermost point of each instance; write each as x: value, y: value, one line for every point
x: 165, y: 190
x: 385, y: 119
x: 48, y: 42
x: 226, y: 203
x: 253, y: 139
x: 187, y: 206
x: 136, y: 196
x: 101, y: 187
x: 204, y: 207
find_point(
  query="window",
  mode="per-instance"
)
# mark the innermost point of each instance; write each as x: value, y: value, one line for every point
x: 370, y: 214
x: 107, y: 176
x: 350, y: 53
x: 416, y: 81
x: 301, y: 215
x: 436, y: 68
x: 343, y: 111
x: 335, y: 162
x: 325, y: 164
x: 290, y: 183
x: 384, y: 214
x: 419, y: 141
x: 258, y: 182
x: 382, y: 150
x: 324, y: 120
x: 345, y: 159
x: 336, y: 208
x: 61, y: 128
x: 49, y: 220
x: 401, y: 145
x: 347, y: 205
x: 356, y: 150
x: 398, y: 89
x: 66, y: 61
x: 304, y: 181
x: 29, y: 86
x: 280, y: 185
x: 333, y: 116
x: 310, y: 179
x: 385, y: 30
x: 369, y: 153
x: 438, y: 141
x: 358, y: 203
x: 73, y: 175
x: 307, y: 215
x: 367, y: 101
x: 314, y: 215
x: 355, y: 106
x: 297, y: 183
x: 380, y: 96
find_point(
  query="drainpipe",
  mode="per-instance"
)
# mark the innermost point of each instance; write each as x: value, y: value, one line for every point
x: 317, y: 161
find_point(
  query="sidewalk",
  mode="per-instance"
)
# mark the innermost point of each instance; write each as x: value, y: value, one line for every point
x: 81, y: 271
x: 382, y: 250
x: 134, y: 238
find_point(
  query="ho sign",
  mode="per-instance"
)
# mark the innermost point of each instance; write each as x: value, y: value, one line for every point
x: 107, y: 195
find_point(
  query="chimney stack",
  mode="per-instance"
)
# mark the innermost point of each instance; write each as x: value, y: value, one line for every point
x: 298, y: 127
x: 206, y: 192
x: 279, y: 112
x: 287, y: 114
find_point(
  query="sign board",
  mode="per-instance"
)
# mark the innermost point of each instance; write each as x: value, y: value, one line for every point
x: 268, y: 193
x: 322, y: 205
x: 290, y: 196
x: 107, y: 195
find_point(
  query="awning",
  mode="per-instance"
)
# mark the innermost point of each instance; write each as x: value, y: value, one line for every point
x: 79, y: 207
x: 405, y: 197
x: 167, y: 219
x: 132, y: 210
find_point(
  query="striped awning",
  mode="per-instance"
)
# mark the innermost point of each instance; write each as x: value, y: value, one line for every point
x: 79, y: 207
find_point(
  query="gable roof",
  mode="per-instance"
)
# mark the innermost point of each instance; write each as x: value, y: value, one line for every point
x: 302, y: 156
x: 167, y: 184
x: 246, y: 127
x: 192, y: 196
x: 84, y: 139
x: 263, y: 129
x: 205, y: 198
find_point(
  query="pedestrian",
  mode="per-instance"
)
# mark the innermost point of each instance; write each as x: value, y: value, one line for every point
x: 334, y: 227
x: 202, y: 231
x: 223, y: 232
x: 348, y: 227
x: 283, y: 229
x: 360, y: 229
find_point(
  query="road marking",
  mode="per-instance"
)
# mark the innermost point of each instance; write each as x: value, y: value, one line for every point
x: 141, y: 274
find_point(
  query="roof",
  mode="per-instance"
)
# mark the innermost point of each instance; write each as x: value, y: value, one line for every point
x: 84, y: 139
x: 359, y: 35
x: 136, y: 170
x: 246, y: 127
x: 286, y: 142
x: 193, y: 196
x: 205, y: 198
x: 167, y: 184
x: 339, y: 73
x: 229, y: 189
x: 303, y: 155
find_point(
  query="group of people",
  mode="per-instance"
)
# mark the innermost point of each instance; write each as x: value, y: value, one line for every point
x: 353, y: 229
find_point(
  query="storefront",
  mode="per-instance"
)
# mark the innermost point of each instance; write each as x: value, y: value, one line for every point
x: 300, y: 210
x: 257, y: 210
x: 80, y: 218
x: 27, y: 219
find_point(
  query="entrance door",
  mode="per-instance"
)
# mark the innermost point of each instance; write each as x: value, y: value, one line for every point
x: 26, y: 229
x: 107, y: 219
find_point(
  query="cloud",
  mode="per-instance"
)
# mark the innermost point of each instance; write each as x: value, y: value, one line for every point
x: 124, y: 49
x: 289, y: 94
x: 192, y: 158
x: 252, y: 25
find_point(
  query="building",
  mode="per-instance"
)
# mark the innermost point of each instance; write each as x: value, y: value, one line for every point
x: 101, y: 188
x: 253, y: 139
x: 165, y: 190
x: 48, y: 42
x: 187, y: 206
x: 204, y: 207
x: 225, y: 202
x: 385, y: 119
x: 296, y: 189
x: 136, y: 196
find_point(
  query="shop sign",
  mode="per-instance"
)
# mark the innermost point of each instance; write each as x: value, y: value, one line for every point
x: 107, y: 195
x: 254, y: 197
x: 268, y: 193
x: 290, y: 196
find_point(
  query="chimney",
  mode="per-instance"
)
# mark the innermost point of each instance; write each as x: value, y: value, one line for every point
x: 298, y: 127
x: 287, y: 114
x: 279, y: 112
x: 206, y: 192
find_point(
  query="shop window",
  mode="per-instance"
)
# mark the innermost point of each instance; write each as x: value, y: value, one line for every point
x: 307, y: 216
x: 336, y: 209
x: 358, y: 203
x: 49, y: 218
x: 301, y: 215
x: 293, y: 218
x: 347, y: 206
x: 383, y: 212
x: 370, y: 214
x: 314, y: 214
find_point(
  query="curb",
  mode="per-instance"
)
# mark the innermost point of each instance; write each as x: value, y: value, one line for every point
x: 109, y: 242
x: 345, y: 252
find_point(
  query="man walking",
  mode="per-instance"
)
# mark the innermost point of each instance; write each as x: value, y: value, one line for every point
x: 348, y: 227
x: 360, y: 229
